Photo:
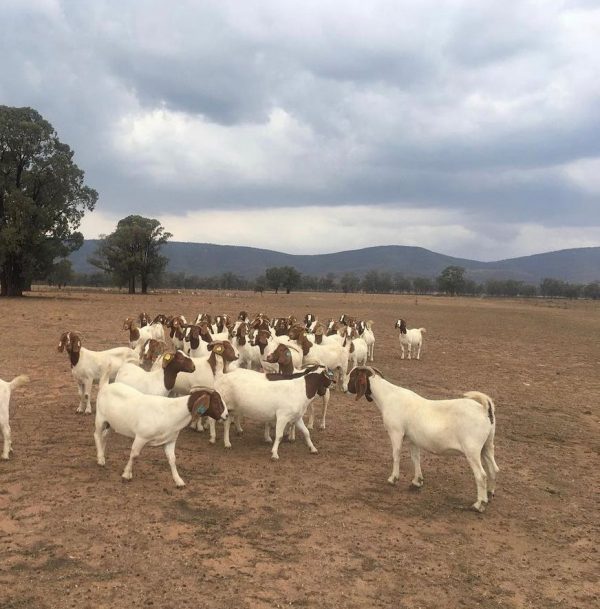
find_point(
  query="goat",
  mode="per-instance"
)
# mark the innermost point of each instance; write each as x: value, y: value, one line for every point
x: 5, y: 392
x: 198, y: 347
x: 138, y: 336
x: 150, y: 419
x: 365, y: 331
x: 358, y: 351
x: 461, y: 426
x: 88, y: 366
x: 333, y: 356
x: 283, y: 357
x: 272, y: 397
x: 177, y: 331
x: 411, y: 339
x: 156, y: 382
x: 249, y: 354
x: 149, y: 353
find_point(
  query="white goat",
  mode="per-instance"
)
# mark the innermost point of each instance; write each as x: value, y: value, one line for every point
x: 88, y: 366
x: 138, y: 336
x: 149, y: 419
x: 6, y: 388
x: 365, y: 331
x: 332, y: 356
x: 282, y: 357
x: 156, y: 382
x: 462, y: 426
x: 271, y: 397
x: 249, y: 354
x: 411, y: 339
x: 358, y: 352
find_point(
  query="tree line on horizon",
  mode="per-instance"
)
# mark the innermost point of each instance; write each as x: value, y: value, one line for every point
x: 43, y: 198
x: 372, y: 282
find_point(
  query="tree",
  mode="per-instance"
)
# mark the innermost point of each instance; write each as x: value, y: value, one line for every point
x: 132, y: 251
x: 349, y: 283
x: 274, y: 277
x: 327, y: 283
x: 286, y: 276
x: 401, y: 283
x: 291, y: 278
x: 61, y: 273
x: 452, y: 280
x: 42, y: 199
x: 422, y: 285
x: 592, y: 290
x: 370, y: 282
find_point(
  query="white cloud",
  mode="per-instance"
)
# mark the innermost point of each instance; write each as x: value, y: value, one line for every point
x: 476, y: 121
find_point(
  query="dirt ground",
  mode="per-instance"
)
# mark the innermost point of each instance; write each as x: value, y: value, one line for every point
x: 323, y: 530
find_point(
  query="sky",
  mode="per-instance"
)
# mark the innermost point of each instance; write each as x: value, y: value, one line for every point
x: 471, y: 128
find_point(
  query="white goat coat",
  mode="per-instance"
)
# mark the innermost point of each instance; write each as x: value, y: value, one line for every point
x: 202, y: 377
x: 252, y: 395
x: 149, y: 383
x: 445, y: 427
x: 359, y: 356
x: 6, y: 388
x: 131, y: 413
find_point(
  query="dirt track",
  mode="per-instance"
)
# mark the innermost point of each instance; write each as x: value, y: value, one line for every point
x: 320, y: 530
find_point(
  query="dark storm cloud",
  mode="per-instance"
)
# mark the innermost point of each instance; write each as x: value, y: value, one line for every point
x: 479, y: 108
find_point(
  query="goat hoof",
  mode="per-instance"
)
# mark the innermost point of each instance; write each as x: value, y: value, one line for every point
x: 88, y: 411
x: 275, y: 457
x: 180, y: 486
x: 79, y: 411
x: 491, y: 495
x: 124, y: 479
x: 392, y: 480
x: 102, y: 461
x: 227, y: 446
x: 322, y: 426
x: 480, y: 506
x: 4, y: 457
x: 313, y: 451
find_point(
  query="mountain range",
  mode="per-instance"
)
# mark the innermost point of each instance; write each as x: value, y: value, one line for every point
x: 579, y: 265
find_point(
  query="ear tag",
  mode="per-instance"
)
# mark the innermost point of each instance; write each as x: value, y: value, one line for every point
x: 218, y: 349
x: 288, y: 354
x: 167, y: 357
x: 201, y: 409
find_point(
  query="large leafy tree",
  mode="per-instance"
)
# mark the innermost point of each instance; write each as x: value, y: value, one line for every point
x: 42, y: 199
x: 286, y: 276
x: 452, y: 280
x: 133, y: 251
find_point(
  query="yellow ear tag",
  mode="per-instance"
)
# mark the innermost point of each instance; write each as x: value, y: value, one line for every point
x: 218, y: 349
x: 167, y: 357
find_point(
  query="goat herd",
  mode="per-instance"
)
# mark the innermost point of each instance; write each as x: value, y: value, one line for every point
x: 267, y: 370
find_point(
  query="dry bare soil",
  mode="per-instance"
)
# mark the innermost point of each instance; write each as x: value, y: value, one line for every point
x: 320, y: 530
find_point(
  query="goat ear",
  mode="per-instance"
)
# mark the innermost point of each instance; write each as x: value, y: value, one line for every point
x: 362, y: 384
x: 200, y: 406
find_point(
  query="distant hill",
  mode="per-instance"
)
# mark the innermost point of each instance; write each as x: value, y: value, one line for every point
x: 579, y: 265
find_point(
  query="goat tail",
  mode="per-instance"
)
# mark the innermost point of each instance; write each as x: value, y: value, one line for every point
x: 422, y: 330
x: 22, y: 379
x: 486, y: 401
